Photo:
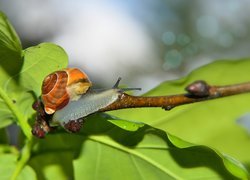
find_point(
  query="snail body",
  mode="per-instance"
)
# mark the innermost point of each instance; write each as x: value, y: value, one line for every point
x: 87, y: 104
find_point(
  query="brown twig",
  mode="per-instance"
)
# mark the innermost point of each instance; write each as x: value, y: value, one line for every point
x: 196, y: 92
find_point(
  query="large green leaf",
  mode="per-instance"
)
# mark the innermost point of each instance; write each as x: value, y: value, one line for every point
x: 7, y: 167
x: 10, y: 46
x: 21, y: 87
x: 10, y: 62
x: 103, y: 150
x: 211, y: 123
x: 8, y: 161
x: 39, y: 61
x: 4, y: 137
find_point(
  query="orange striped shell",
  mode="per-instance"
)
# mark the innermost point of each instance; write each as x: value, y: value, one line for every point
x: 60, y: 87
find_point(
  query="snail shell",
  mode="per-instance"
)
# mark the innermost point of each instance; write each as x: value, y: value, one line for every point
x: 62, y: 86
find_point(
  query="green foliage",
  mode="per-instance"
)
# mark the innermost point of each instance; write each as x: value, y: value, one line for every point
x: 134, y: 143
x: 102, y: 150
x: 8, y: 165
x: 211, y: 123
x: 10, y: 46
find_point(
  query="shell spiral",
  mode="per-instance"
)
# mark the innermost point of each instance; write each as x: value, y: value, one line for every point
x: 60, y: 87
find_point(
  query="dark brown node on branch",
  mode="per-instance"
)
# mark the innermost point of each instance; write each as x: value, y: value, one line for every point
x: 168, y: 108
x: 40, y: 129
x: 198, y: 88
x: 74, y: 126
x: 36, y: 105
x: 41, y: 126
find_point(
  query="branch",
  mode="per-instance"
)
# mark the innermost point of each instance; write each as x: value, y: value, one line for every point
x: 196, y: 92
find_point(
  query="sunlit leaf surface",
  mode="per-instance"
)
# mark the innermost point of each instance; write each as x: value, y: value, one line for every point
x: 103, y: 150
x: 212, y: 123
x: 24, y: 85
x: 8, y: 161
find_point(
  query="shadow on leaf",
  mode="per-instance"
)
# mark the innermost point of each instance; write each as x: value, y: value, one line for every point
x: 67, y: 147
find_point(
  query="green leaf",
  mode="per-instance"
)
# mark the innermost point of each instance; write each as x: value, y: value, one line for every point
x: 4, y: 137
x: 6, y: 115
x: 10, y: 50
x: 54, y: 165
x: 21, y: 87
x: 211, y: 123
x: 52, y: 157
x: 39, y: 61
x: 7, y: 165
x: 10, y: 62
x: 127, y: 125
x: 104, y: 151
x: 10, y: 46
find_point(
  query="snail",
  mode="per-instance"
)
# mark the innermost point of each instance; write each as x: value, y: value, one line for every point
x: 59, y: 87
x: 67, y: 96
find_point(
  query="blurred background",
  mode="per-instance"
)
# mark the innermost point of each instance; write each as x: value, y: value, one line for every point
x: 143, y: 41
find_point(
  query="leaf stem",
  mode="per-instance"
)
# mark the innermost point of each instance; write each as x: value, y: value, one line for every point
x: 21, y: 120
x: 24, y: 158
x: 197, y: 91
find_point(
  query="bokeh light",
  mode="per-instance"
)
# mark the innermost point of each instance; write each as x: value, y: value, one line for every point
x: 207, y: 26
x: 168, y: 38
